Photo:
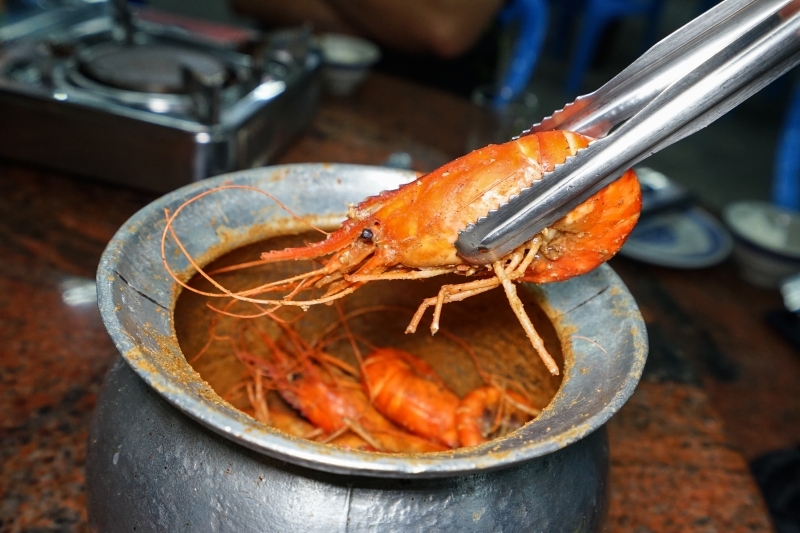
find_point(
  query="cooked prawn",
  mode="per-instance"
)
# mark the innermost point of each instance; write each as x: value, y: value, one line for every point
x: 410, y: 233
x: 269, y: 409
x: 322, y: 388
x: 489, y: 412
x: 330, y: 408
x: 411, y: 394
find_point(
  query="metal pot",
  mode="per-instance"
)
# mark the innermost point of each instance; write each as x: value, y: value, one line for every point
x: 171, y: 455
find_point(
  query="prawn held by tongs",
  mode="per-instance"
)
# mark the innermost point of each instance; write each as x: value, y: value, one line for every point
x: 409, y: 233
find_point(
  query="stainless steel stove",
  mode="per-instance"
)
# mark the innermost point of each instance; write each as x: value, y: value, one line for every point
x: 149, y: 99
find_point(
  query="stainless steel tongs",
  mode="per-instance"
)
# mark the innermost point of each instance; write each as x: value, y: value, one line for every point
x: 682, y: 84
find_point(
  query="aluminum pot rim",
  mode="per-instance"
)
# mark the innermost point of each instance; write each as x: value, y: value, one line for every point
x: 157, y: 359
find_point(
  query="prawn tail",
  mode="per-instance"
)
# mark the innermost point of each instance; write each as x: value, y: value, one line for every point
x: 335, y: 242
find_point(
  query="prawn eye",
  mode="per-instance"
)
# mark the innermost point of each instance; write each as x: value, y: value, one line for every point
x: 366, y: 234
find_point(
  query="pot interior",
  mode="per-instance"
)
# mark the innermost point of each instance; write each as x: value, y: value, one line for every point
x: 479, y: 341
x: 595, y: 323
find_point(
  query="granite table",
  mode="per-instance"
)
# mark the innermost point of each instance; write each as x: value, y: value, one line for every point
x: 717, y: 391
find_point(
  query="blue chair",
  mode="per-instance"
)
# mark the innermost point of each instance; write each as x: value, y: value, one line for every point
x: 786, y: 177
x: 532, y: 17
x: 596, y: 16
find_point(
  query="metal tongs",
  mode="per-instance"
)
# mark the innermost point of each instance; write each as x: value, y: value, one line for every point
x: 682, y: 84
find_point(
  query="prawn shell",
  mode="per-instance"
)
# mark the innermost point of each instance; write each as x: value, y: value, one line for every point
x: 328, y: 399
x: 590, y: 234
x: 322, y: 397
x: 417, y: 225
x: 351, y: 441
x: 476, y: 413
x: 287, y: 420
x: 408, y: 392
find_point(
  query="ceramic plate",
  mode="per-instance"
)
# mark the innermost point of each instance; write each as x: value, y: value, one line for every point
x: 687, y: 238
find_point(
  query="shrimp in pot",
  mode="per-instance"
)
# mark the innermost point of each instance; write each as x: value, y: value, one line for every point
x: 489, y: 412
x: 411, y: 394
x: 274, y: 412
x: 410, y: 233
x: 323, y: 390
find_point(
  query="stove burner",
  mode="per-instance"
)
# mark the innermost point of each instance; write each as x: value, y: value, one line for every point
x: 149, y: 100
x: 153, y: 68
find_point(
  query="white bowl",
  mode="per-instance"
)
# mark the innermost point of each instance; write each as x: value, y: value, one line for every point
x: 767, y: 247
x: 346, y: 61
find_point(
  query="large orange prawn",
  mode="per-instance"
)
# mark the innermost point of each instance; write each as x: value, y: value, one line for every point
x: 410, y: 233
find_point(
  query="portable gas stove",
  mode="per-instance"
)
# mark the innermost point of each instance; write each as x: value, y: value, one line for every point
x: 149, y: 99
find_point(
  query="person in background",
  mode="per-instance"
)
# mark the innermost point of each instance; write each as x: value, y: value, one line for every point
x: 451, y: 44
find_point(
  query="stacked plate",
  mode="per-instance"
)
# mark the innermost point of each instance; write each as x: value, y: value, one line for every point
x: 767, y: 241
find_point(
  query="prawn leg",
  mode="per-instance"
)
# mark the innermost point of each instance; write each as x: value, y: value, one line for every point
x: 411, y: 274
x: 459, y: 292
x: 448, y: 294
x: 524, y: 319
x: 505, y: 274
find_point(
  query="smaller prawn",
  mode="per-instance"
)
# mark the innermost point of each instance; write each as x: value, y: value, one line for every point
x: 322, y: 388
x: 490, y: 412
x: 270, y: 410
x: 410, y: 393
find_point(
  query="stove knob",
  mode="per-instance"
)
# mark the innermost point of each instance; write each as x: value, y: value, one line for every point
x: 205, y: 92
x: 123, y: 16
x: 256, y: 48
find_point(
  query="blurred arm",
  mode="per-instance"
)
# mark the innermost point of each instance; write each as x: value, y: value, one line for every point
x: 445, y: 27
x: 295, y: 12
